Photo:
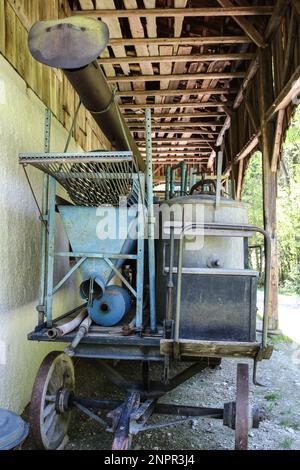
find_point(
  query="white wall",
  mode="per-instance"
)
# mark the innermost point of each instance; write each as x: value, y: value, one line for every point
x: 22, y: 129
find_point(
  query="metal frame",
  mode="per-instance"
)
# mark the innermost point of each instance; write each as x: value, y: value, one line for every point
x: 47, y: 287
x: 230, y: 231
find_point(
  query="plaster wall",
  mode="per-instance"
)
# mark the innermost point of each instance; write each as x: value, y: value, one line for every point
x: 22, y: 129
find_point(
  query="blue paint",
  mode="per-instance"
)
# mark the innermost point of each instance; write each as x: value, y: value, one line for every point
x: 92, y: 230
x: 111, y: 307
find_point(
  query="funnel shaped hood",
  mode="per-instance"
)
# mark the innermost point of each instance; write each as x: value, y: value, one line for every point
x: 103, y: 230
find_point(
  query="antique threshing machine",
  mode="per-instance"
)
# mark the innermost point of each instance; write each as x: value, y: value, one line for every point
x: 194, y: 303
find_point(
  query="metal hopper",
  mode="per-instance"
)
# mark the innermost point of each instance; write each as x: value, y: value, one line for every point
x: 103, y: 230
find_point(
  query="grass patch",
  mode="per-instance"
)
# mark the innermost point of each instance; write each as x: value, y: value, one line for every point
x: 273, y: 397
x: 281, y: 339
x: 286, y: 443
x: 287, y: 423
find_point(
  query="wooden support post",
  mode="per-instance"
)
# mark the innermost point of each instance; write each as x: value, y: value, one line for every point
x: 269, y: 179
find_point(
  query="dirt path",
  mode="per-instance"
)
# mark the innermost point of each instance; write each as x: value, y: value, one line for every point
x: 279, y: 402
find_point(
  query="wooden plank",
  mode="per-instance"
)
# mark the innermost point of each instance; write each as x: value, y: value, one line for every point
x: 269, y: 183
x: 161, y: 154
x: 278, y: 140
x: 86, y: 4
x: 296, y: 5
x: 176, y: 124
x: 173, y: 77
x: 240, y: 180
x: 18, y: 8
x: 181, y: 12
x: 175, y: 140
x: 288, y: 94
x: 187, y: 41
x: 276, y: 18
x: 210, y: 348
x: 178, y: 21
x: 164, y: 58
x: 245, y: 24
x: 194, y: 91
x: 2, y: 27
x: 211, y: 104
x: 115, y: 30
x: 248, y: 149
x: 140, y: 117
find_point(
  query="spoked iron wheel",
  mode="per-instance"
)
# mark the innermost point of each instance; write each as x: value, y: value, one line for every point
x: 49, y: 419
x: 242, y: 407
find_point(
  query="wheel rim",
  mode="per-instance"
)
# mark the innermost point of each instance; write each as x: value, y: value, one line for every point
x: 48, y: 426
x: 242, y: 408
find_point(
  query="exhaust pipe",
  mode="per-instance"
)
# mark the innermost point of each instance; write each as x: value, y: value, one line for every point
x: 73, y: 45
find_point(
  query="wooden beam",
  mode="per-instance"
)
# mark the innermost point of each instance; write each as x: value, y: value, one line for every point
x: 240, y: 180
x: 194, y: 105
x: 192, y: 91
x: 248, y: 149
x: 288, y: 94
x: 278, y: 140
x: 141, y: 117
x: 171, y: 77
x: 176, y: 140
x: 161, y: 154
x: 276, y: 18
x: 187, y: 41
x: 175, y: 125
x: 178, y: 131
x: 194, y: 348
x: 296, y: 5
x: 269, y: 182
x: 179, y: 12
x: 245, y: 24
x: 177, y: 58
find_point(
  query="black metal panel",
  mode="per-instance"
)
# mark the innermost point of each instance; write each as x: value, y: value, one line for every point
x: 213, y: 307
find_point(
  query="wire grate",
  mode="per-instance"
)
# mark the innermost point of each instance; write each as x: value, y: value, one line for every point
x: 90, y: 179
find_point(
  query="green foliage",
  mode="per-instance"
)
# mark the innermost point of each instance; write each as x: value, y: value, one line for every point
x: 288, y: 207
x: 286, y: 443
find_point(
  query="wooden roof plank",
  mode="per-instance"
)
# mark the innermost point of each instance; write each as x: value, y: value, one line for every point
x: 176, y: 77
x: 169, y: 58
x: 232, y: 10
x: 189, y: 92
x: 188, y: 41
x: 244, y: 24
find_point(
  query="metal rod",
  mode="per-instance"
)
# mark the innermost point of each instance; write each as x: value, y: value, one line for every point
x: 151, y: 220
x: 167, y: 188
x: 44, y: 228
x: 51, y: 247
x: 69, y: 274
x: 75, y: 254
x: 140, y: 255
x: 120, y: 275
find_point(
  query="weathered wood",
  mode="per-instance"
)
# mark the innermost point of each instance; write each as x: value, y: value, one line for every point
x: 179, y: 12
x: 175, y: 140
x: 244, y: 24
x: 296, y: 5
x: 173, y: 77
x: 276, y: 18
x: 141, y: 117
x: 248, y: 149
x: 196, y: 348
x: 289, y: 93
x: 193, y: 91
x: 2, y: 27
x: 269, y: 183
x: 240, y: 181
x: 188, y: 41
x: 174, y: 125
x: 177, y: 58
x: 278, y: 140
x: 195, y: 105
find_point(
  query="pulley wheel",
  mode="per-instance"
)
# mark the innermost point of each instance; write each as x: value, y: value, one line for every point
x: 242, y: 408
x: 49, y: 424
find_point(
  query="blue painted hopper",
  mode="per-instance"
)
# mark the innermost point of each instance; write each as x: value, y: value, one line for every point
x: 104, y: 230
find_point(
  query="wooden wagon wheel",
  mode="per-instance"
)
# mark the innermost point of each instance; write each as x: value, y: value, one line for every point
x: 49, y: 419
x: 242, y: 407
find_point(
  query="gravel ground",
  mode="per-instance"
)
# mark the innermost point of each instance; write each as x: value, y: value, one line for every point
x: 279, y: 401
